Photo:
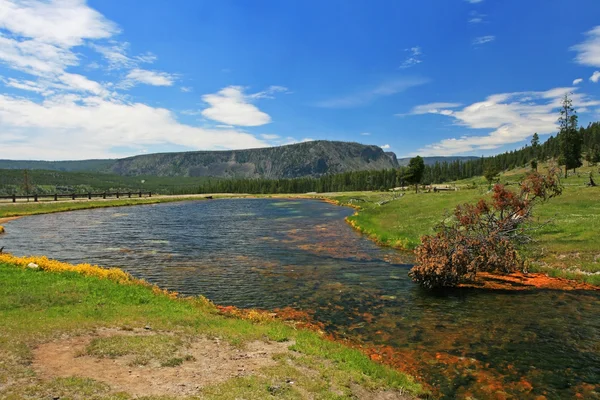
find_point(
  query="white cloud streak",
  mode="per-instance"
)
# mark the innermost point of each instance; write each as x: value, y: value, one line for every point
x: 577, y: 81
x: 512, y: 117
x: 595, y: 77
x: 367, y: 96
x: 476, y: 17
x: 481, y: 40
x: 588, y: 52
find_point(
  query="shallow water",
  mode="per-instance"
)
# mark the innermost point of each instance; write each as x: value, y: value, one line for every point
x: 277, y: 253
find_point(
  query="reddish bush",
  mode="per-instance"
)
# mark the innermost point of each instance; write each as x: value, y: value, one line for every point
x: 482, y: 236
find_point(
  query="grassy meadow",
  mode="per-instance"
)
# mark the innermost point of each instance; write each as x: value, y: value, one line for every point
x: 59, y: 304
x: 568, y: 246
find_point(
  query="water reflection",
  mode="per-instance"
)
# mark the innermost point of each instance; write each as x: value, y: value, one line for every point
x: 273, y: 254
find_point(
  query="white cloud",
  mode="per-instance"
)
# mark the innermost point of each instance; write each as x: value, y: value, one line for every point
x: 414, y: 58
x: 31, y: 86
x: 269, y: 136
x: 483, y: 40
x: 144, y: 76
x: 63, y: 23
x: 231, y: 106
x: 365, y: 133
x: 512, y: 117
x: 595, y: 77
x: 386, y: 147
x: 95, y: 126
x: 588, y: 52
x: 432, y: 108
x: 577, y: 81
x: 186, y: 89
x: 476, y: 17
x: 270, y: 92
x: 473, y: 1
x: 367, y: 96
x: 116, y: 55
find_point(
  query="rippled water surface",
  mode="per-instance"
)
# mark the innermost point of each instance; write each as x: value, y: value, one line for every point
x: 276, y: 253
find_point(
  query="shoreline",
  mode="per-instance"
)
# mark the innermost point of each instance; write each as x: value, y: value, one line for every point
x: 296, y: 319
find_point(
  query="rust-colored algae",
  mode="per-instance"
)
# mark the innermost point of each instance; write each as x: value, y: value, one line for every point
x: 523, y: 281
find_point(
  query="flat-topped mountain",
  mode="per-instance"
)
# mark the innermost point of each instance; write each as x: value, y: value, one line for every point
x: 313, y: 159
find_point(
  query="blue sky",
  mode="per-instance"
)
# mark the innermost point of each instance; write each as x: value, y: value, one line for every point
x: 110, y: 78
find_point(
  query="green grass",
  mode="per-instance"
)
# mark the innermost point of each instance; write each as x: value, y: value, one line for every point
x: 566, y: 247
x: 37, y: 307
x: 32, y: 208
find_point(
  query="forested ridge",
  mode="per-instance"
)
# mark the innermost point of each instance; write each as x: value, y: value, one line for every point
x: 440, y: 172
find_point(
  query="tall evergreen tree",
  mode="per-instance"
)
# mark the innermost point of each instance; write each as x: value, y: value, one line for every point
x: 416, y: 168
x: 570, y: 139
x: 535, y: 149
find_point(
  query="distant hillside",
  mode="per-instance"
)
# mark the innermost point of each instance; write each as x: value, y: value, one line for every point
x: 403, y: 162
x: 313, y: 159
x: 64, y: 166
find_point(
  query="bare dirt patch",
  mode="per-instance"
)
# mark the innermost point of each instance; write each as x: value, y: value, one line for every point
x: 213, y: 361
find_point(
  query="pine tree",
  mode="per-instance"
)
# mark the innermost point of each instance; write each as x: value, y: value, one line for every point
x: 416, y: 168
x: 535, y: 149
x: 570, y: 139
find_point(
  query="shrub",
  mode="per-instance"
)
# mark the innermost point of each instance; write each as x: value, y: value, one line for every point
x: 482, y: 237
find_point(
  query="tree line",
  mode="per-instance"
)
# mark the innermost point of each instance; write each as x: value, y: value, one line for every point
x: 571, y: 146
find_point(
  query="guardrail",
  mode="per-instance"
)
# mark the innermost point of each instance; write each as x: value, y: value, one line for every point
x: 74, y: 196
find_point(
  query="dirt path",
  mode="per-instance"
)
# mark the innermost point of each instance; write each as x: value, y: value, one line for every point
x: 213, y: 361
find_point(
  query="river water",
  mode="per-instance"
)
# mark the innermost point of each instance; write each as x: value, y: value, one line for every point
x: 269, y: 254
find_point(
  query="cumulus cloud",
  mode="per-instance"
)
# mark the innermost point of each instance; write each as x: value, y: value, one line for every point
x: 512, y: 117
x: 588, y: 52
x: 363, y: 97
x: 386, y: 147
x: 481, y: 40
x: 62, y: 23
x: 231, y: 106
x: 577, y: 81
x: 595, y: 77
x: 414, y: 58
x: 96, y: 126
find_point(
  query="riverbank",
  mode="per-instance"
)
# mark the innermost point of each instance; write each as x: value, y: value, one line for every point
x: 88, y: 332
x: 567, y: 247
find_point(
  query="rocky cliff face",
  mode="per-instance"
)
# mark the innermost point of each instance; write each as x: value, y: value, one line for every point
x: 298, y: 160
